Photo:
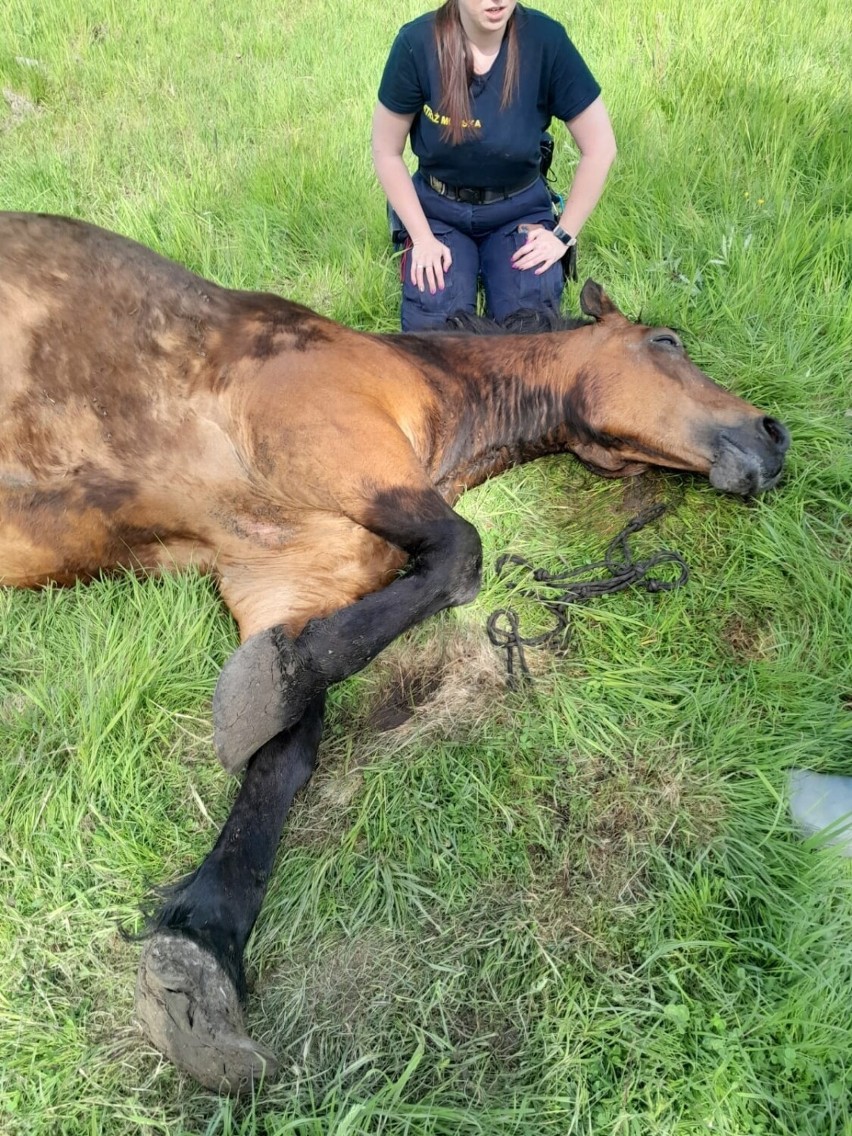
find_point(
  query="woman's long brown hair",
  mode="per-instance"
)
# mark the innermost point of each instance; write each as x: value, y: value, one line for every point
x: 455, y: 61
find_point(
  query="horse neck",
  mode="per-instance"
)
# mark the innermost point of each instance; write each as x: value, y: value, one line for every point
x: 504, y: 401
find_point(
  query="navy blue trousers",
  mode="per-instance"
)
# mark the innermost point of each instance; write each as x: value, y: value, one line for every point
x: 482, y: 239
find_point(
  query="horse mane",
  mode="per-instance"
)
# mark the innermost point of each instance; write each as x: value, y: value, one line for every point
x: 525, y: 321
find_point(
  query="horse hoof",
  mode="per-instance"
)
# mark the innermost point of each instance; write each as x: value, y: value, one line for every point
x: 189, y: 1010
x: 259, y: 694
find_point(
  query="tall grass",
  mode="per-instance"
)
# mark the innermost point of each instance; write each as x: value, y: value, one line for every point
x: 579, y: 908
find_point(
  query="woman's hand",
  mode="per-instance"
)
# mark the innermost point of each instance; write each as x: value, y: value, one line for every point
x: 430, y: 259
x: 540, y: 251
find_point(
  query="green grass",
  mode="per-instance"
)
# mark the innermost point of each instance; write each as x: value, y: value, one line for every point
x: 578, y: 908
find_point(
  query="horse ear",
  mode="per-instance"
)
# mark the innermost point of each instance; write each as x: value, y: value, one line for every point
x: 595, y: 302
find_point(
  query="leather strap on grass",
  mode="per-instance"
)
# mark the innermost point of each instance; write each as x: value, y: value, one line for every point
x: 557, y: 591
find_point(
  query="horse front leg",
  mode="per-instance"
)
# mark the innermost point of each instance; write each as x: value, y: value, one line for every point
x: 266, y: 683
x: 191, y: 985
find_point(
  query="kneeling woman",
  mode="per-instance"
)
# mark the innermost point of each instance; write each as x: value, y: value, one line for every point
x: 474, y: 85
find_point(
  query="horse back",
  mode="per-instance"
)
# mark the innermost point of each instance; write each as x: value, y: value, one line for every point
x: 153, y: 418
x: 110, y: 420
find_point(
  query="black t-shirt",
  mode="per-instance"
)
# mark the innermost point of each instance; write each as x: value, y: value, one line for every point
x: 504, y: 145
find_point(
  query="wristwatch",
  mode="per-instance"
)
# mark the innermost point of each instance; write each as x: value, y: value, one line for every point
x: 566, y: 238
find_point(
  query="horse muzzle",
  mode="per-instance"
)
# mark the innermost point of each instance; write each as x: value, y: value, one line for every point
x: 749, y: 459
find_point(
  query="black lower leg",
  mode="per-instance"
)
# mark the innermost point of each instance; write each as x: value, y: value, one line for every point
x: 265, y: 684
x: 345, y: 642
x: 218, y: 904
x: 446, y: 558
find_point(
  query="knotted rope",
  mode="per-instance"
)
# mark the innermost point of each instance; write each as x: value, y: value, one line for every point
x: 557, y: 591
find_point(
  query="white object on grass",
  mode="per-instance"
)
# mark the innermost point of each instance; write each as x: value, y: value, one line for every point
x: 821, y: 803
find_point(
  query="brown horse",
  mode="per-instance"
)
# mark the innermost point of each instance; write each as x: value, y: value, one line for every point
x: 155, y: 421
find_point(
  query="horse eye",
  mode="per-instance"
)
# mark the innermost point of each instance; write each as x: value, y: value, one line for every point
x: 666, y: 339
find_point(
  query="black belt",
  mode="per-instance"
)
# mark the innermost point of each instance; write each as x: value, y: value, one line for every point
x: 471, y: 196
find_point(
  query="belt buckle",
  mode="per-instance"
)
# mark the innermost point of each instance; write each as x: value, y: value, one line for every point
x: 470, y: 196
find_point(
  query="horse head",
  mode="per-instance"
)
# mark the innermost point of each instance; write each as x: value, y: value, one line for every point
x: 644, y: 402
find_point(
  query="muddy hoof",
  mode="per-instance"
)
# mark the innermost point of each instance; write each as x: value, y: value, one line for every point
x: 261, y: 691
x: 189, y: 1010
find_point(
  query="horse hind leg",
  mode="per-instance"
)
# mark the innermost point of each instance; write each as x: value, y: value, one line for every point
x: 190, y: 985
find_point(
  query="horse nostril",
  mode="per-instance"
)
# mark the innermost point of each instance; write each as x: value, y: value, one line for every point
x: 776, y: 432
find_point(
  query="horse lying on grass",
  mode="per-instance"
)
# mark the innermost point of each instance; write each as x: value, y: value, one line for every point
x: 154, y: 421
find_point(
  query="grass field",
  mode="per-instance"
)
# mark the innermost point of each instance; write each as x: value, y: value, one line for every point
x: 577, y: 908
